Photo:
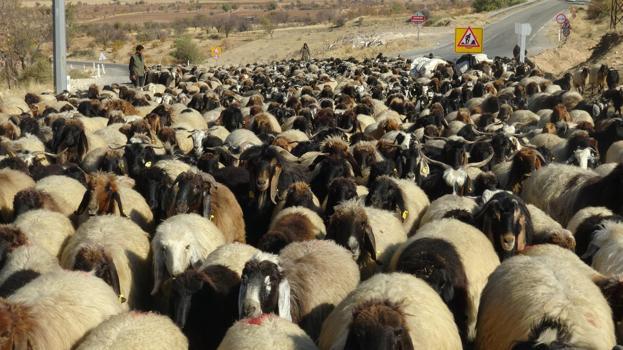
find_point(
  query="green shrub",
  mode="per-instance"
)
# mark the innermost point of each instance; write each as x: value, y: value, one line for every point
x: 490, y: 5
x: 597, y: 9
x: 186, y: 50
x: 39, y: 72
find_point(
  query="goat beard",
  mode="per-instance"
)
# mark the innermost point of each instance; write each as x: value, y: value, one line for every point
x: 262, y: 198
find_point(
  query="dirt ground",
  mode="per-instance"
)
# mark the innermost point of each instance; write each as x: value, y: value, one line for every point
x: 323, y: 39
x: 583, y: 46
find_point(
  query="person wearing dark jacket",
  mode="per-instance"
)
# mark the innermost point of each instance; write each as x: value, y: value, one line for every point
x: 137, y: 67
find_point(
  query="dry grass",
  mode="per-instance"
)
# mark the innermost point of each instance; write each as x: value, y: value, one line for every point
x: 579, y: 47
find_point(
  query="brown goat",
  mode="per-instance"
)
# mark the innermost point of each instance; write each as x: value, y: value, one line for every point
x: 101, y: 196
x: 9, y: 130
x: 526, y: 161
x: 560, y: 114
x: 255, y: 100
x: 293, y: 227
x: 153, y: 120
x: 121, y: 105
x: 549, y: 128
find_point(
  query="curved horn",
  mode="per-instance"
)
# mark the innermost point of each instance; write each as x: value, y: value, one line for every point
x: 481, y: 163
x: 442, y: 164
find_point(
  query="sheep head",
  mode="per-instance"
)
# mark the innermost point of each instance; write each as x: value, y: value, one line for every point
x: 97, y: 261
x: 173, y: 251
x: 378, y: 324
x: 217, y: 280
x: 506, y: 221
x: 350, y: 228
x: 264, y: 288
x: 191, y: 193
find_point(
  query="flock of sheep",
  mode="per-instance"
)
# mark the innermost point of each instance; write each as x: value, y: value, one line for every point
x: 330, y: 204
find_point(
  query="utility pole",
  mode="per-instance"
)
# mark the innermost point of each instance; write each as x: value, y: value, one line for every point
x: 616, y: 13
x: 60, y: 47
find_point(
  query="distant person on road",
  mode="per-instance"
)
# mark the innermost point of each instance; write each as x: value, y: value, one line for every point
x: 137, y: 67
x: 305, y: 54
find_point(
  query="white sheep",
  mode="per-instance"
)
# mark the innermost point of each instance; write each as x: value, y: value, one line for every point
x: 458, y: 251
x: 266, y: 332
x: 124, y: 242
x: 421, y: 312
x: 549, y: 230
x: 11, y: 182
x: 66, y: 192
x: 527, y: 300
x: 615, y: 153
x: 21, y: 256
x: 606, y: 249
x: 449, y: 206
x: 135, y: 331
x: 48, y: 229
x: 309, y: 278
x: 371, y: 234
x: 585, y: 214
x: 411, y: 202
x: 180, y: 242
x: 549, y: 189
x: 56, y: 310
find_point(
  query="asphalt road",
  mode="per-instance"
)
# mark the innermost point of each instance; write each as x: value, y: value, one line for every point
x: 115, y: 71
x: 500, y: 37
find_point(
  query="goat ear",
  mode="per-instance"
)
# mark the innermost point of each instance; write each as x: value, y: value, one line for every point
x: 284, y: 299
x: 117, y: 198
x: 83, y: 145
x: 85, y: 203
x: 404, y: 213
x: 369, y: 242
x: 274, y: 184
x: 353, y: 165
x: 241, y: 295
x: 110, y: 274
x: 207, y: 203
x: 159, y: 269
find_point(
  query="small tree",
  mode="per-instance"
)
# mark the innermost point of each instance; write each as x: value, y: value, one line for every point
x: 272, y: 6
x: 227, y: 7
x: 186, y: 50
x: 268, y: 26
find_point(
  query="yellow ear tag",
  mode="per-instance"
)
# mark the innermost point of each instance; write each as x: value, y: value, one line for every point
x: 148, y: 164
x: 251, y: 194
x: 395, y: 172
x: 424, y: 169
x: 122, y: 299
x: 405, y: 215
x: 211, y: 217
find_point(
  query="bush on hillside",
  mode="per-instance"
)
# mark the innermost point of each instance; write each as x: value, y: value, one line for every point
x: 39, y: 72
x: 597, y: 9
x: 490, y: 5
x: 186, y: 50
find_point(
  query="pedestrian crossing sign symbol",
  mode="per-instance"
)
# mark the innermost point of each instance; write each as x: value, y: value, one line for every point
x: 468, y: 40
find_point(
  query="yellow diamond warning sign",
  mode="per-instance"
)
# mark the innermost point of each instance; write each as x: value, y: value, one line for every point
x: 468, y: 40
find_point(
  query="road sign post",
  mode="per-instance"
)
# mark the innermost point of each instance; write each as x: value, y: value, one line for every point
x: 60, y: 47
x: 522, y: 30
x: 468, y: 40
x: 418, y: 19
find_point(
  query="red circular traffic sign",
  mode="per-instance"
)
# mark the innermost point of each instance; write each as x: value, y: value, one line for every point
x: 561, y: 18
